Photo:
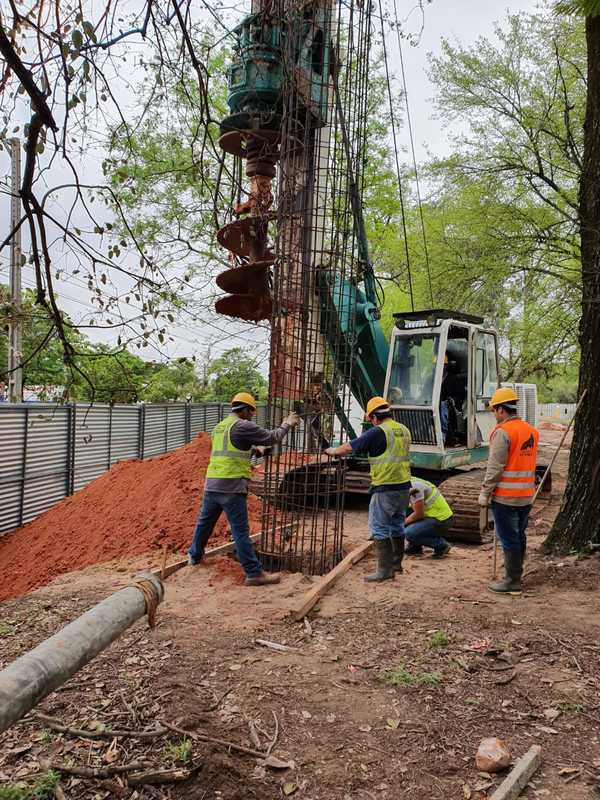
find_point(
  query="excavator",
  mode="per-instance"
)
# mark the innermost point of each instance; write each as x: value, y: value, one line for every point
x: 439, y: 367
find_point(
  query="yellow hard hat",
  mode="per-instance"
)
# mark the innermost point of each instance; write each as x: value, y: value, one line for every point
x: 503, y: 395
x: 375, y: 403
x: 245, y: 398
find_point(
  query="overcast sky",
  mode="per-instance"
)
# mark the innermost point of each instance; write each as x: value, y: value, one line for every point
x: 464, y: 20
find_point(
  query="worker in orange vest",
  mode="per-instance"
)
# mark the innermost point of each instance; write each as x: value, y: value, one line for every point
x: 509, y: 484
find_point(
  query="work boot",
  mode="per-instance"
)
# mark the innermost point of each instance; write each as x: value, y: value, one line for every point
x: 413, y: 550
x: 443, y: 551
x: 262, y: 579
x: 513, y: 567
x: 398, y: 545
x: 385, y: 561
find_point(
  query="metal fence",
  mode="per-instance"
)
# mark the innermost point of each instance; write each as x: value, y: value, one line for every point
x: 560, y: 412
x: 48, y: 451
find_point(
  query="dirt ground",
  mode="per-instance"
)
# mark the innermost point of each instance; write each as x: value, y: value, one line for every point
x: 386, y: 692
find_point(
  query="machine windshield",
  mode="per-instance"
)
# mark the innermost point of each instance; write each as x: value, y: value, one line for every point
x: 413, y: 369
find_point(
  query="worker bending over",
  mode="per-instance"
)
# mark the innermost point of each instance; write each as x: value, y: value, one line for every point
x: 226, y: 486
x: 387, y: 444
x: 509, y: 484
x: 430, y: 518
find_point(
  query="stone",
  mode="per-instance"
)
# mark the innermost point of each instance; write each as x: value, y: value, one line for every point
x: 492, y: 756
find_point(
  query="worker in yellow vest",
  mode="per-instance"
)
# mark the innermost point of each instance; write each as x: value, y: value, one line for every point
x: 226, y: 485
x: 431, y: 517
x: 509, y: 484
x: 387, y: 444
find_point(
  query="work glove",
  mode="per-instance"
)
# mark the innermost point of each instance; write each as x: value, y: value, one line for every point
x: 484, y: 499
x: 329, y: 451
x: 292, y: 419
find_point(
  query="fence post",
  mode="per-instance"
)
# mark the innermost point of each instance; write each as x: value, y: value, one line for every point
x: 110, y: 425
x: 188, y: 421
x: 69, y: 457
x: 25, y: 437
x: 141, y: 429
x: 204, y: 419
x: 166, y: 429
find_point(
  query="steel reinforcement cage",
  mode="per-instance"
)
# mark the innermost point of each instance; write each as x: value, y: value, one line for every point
x: 48, y: 451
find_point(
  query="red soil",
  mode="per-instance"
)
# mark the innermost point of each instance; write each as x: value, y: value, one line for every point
x: 134, y: 507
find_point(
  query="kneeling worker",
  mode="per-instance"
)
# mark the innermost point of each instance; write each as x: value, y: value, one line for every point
x: 431, y: 517
x: 226, y: 485
x: 388, y: 445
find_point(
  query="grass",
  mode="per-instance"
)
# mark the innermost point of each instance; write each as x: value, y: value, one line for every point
x: 182, y: 751
x: 438, y: 640
x: 6, y: 630
x: 42, y: 789
x: 400, y: 676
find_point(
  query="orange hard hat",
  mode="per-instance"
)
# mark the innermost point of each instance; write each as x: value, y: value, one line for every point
x: 245, y: 398
x: 503, y: 395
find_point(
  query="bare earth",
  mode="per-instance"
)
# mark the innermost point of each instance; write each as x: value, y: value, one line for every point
x: 387, y: 695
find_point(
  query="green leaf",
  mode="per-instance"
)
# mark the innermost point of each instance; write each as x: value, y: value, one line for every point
x: 77, y: 39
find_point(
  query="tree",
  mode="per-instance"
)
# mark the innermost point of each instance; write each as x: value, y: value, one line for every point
x: 234, y: 372
x: 578, y: 520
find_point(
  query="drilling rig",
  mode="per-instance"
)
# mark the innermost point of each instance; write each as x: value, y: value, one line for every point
x: 299, y: 258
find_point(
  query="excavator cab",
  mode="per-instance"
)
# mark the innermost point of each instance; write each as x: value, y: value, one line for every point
x: 442, y: 371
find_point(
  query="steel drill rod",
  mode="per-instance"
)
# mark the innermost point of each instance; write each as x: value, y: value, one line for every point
x: 39, y: 672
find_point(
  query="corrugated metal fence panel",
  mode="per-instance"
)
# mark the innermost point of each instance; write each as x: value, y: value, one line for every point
x: 176, y: 427
x: 561, y: 412
x: 46, y: 467
x: 91, y: 443
x: 155, y: 431
x: 12, y: 440
x: 125, y: 433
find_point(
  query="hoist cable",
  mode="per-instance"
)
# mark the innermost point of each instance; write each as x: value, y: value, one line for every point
x: 412, y: 147
x: 400, y: 194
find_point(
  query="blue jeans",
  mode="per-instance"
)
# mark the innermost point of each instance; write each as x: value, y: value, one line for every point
x: 511, y: 526
x: 235, y: 507
x: 387, y: 512
x: 444, y: 417
x: 428, y: 532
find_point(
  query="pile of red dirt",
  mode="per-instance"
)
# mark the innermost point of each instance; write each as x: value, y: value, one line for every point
x: 135, y: 507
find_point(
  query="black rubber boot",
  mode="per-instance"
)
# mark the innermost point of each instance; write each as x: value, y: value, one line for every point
x: 513, y: 566
x: 385, y: 562
x: 398, y: 545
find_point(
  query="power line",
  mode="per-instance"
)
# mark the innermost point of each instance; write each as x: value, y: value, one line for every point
x: 412, y: 147
x: 400, y: 194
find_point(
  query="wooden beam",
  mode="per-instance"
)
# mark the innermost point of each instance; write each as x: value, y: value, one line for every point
x: 327, y: 581
x: 215, y: 551
x: 520, y: 775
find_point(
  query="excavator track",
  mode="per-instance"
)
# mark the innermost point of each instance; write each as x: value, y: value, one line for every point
x: 462, y: 491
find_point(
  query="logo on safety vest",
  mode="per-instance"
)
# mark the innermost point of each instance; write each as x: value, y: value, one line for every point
x: 528, y: 444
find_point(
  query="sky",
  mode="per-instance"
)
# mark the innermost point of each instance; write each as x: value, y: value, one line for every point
x: 463, y: 20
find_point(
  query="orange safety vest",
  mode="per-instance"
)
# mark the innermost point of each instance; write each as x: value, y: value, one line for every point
x: 518, y: 477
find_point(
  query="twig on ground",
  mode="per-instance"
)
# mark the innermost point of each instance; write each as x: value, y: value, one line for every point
x: 162, y: 776
x: 203, y: 737
x: 57, y: 725
x: 97, y: 772
x: 275, y: 736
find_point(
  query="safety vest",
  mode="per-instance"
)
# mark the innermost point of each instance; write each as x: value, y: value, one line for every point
x: 393, y: 465
x: 436, y: 506
x: 226, y: 461
x: 518, y: 476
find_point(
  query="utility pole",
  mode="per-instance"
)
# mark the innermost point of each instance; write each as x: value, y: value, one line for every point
x: 15, y: 335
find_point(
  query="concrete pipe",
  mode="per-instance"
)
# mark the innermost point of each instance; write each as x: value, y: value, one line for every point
x: 39, y: 672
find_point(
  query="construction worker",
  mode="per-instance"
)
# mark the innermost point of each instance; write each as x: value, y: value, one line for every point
x: 387, y: 444
x: 509, y: 484
x: 226, y: 486
x: 430, y: 518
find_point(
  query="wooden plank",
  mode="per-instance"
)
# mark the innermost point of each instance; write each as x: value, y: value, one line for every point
x: 520, y: 775
x: 215, y: 551
x: 327, y: 581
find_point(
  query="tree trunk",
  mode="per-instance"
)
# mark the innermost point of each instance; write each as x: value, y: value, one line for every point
x: 578, y: 520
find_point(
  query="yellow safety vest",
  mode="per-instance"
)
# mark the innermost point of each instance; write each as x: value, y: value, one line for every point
x: 393, y: 465
x: 226, y: 461
x: 436, y: 506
